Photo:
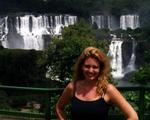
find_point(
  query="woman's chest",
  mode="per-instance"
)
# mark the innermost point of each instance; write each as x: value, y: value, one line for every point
x: 87, y: 94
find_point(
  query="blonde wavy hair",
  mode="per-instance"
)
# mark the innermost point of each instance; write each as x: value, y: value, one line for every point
x: 104, y: 68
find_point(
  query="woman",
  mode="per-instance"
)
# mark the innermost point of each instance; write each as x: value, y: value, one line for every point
x: 89, y: 93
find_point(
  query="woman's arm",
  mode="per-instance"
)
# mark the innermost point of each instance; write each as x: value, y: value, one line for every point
x: 115, y: 97
x: 63, y: 101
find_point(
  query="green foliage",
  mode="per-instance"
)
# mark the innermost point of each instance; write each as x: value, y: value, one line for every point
x: 76, y: 38
x: 142, y: 75
x: 20, y: 67
x: 137, y: 34
x: 63, y: 52
x: 102, y: 34
x: 147, y: 56
x: 147, y: 101
x: 3, y: 100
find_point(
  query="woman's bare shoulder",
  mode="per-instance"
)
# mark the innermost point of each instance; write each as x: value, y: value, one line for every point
x: 112, y: 91
x: 68, y: 90
x: 110, y: 87
x: 70, y: 85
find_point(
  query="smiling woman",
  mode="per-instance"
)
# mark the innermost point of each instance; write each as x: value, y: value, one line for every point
x: 90, y: 94
x: 91, y: 69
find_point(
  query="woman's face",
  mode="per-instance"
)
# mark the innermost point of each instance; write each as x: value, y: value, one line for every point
x: 91, y: 69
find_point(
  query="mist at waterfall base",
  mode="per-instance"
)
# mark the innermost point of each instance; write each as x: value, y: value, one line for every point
x: 34, y: 32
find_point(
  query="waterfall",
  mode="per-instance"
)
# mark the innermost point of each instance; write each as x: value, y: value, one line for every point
x: 131, y: 65
x: 61, y: 21
x: 26, y: 32
x: 29, y: 31
x: 3, y: 31
x: 113, y: 23
x: 115, y: 52
x: 98, y: 20
x: 58, y: 25
x: 32, y: 28
x: 102, y: 21
x: 129, y: 21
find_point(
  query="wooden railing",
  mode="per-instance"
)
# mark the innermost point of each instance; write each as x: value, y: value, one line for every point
x: 45, y: 114
x: 50, y: 101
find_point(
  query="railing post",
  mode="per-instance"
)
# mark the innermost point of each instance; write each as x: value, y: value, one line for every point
x: 48, y: 107
x: 142, y: 103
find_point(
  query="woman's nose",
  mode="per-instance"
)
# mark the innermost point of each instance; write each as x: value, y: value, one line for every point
x: 90, y: 69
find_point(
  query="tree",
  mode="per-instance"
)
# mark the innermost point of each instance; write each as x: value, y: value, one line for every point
x: 63, y: 52
x: 20, y: 67
x: 142, y: 75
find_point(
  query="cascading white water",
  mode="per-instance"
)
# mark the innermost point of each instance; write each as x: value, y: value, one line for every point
x: 98, y: 20
x: 112, y: 23
x: 32, y: 38
x: 29, y: 30
x: 58, y: 25
x: 129, y: 21
x: 115, y: 52
x: 131, y: 65
x: 69, y: 20
x: 3, y: 31
x: 60, y: 22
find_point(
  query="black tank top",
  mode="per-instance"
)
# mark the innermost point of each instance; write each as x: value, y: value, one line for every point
x: 89, y: 110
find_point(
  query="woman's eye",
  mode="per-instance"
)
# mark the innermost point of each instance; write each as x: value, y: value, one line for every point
x: 87, y: 66
x: 95, y: 67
